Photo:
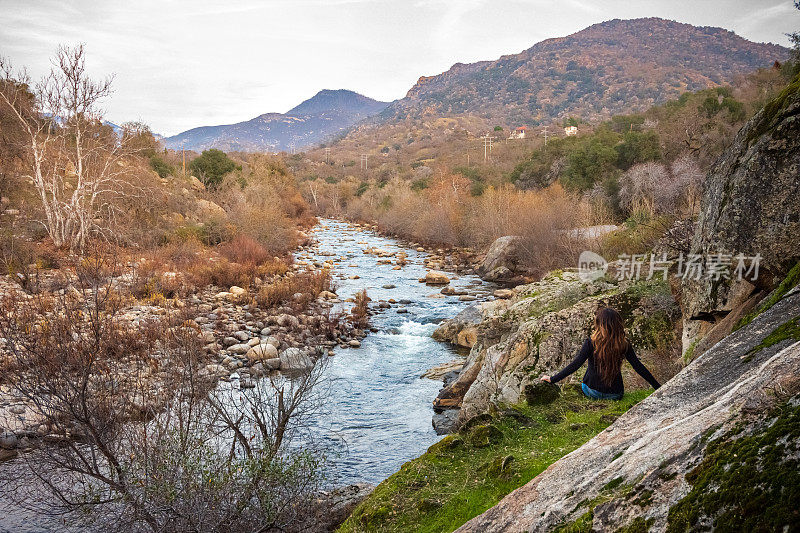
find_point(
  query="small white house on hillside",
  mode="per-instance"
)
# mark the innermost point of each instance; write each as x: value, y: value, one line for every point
x: 519, y: 133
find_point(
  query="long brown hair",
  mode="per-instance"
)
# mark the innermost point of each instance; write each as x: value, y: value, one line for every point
x: 610, y: 343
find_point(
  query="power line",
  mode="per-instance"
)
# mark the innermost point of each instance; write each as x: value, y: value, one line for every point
x: 327, y: 154
x: 545, y: 135
x: 364, y: 161
x: 487, y: 146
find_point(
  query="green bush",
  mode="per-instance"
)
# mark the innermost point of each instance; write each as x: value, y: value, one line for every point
x: 162, y: 168
x: 211, y: 166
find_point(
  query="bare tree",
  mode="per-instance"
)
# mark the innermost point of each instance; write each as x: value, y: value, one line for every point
x: 76, y: 163
x: 134, y: 434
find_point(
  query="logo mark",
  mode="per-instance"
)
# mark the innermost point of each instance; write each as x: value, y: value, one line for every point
x: 591, y: 266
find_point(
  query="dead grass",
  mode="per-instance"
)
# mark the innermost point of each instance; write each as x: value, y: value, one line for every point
x: 359, y: 315
x: 295, y: 289
x: 244, y: 250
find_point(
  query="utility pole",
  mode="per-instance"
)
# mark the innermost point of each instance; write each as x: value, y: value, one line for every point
x: 183, y: 153
x: 364, y: 161
x: 327, y: 155
x: 291, y: 148
x: 487, y: 147
x: 545, y: 135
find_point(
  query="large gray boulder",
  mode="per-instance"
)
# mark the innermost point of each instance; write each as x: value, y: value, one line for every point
x: 540, y: 330
x: 503, y: 259
x: 460, y: 330
x: 749, y: 206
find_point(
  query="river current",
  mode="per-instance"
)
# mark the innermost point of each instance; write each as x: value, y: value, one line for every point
x: 378, y: 410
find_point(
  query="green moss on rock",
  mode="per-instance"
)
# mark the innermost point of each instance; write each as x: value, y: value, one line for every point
x: 582, y: 525
x: 751, y: 483
x: 541, y: 393
x: 639, y: 525
x: 788, y: 330
x: 483, y: 436
x: 791, y: 280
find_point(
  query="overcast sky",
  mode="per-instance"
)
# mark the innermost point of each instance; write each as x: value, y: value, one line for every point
x: 181, y: 64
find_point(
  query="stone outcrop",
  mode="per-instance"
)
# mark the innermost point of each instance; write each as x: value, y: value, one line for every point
x: 541, y: 328
x: 635, y: 471
x: 750, y: 206
x: 460, y: 330
x: 502, y: 261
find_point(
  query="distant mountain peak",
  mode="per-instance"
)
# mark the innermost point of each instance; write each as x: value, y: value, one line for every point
x: 337, y: 100
x: 327, y: 113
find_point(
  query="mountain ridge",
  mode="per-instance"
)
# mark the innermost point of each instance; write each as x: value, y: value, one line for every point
x: 607, y: 68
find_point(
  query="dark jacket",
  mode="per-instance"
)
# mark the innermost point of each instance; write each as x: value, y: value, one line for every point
x: 592, y: 377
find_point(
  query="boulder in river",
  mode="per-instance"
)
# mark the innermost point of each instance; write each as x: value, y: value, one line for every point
x: 239, y: 349
x: 502, y: 261
x: 436, y: 277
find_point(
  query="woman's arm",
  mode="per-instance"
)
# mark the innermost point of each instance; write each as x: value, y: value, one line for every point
x: 640, y: 369
x: 580, y: 358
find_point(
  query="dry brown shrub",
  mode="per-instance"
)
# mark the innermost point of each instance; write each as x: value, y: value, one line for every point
x: 273, y: 267
x: 221, y: 273
x: 282, y: 291
x: 359, y: 314
x: 245, y: 250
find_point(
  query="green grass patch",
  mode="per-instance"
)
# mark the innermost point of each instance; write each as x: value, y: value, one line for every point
x: 464, y: 475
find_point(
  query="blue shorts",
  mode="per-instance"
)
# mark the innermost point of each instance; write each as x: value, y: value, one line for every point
x: 597, y: 395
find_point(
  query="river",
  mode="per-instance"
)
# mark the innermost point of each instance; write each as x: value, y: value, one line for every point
x: 378, y: 410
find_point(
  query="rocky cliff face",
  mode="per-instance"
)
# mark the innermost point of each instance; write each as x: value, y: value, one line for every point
x: 750, y: 206
x: 723, y: 432
x: 541, y: 328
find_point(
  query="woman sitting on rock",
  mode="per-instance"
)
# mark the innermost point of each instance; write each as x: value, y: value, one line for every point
x: 604, y: 351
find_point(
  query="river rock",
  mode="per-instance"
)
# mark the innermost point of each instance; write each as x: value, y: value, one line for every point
x: 502, y: 260
x: 449, y: 330
x: 272, y: 364
x: 261, y: 352
x: 436, y: 277
x: 287, y: 321
x: 239, y: 349
x: 237, y: 291
x: 503, y: 293
x: 294, y: 360
x: 242, y: 336
x: 438, y: 372
x: 444, y: 422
